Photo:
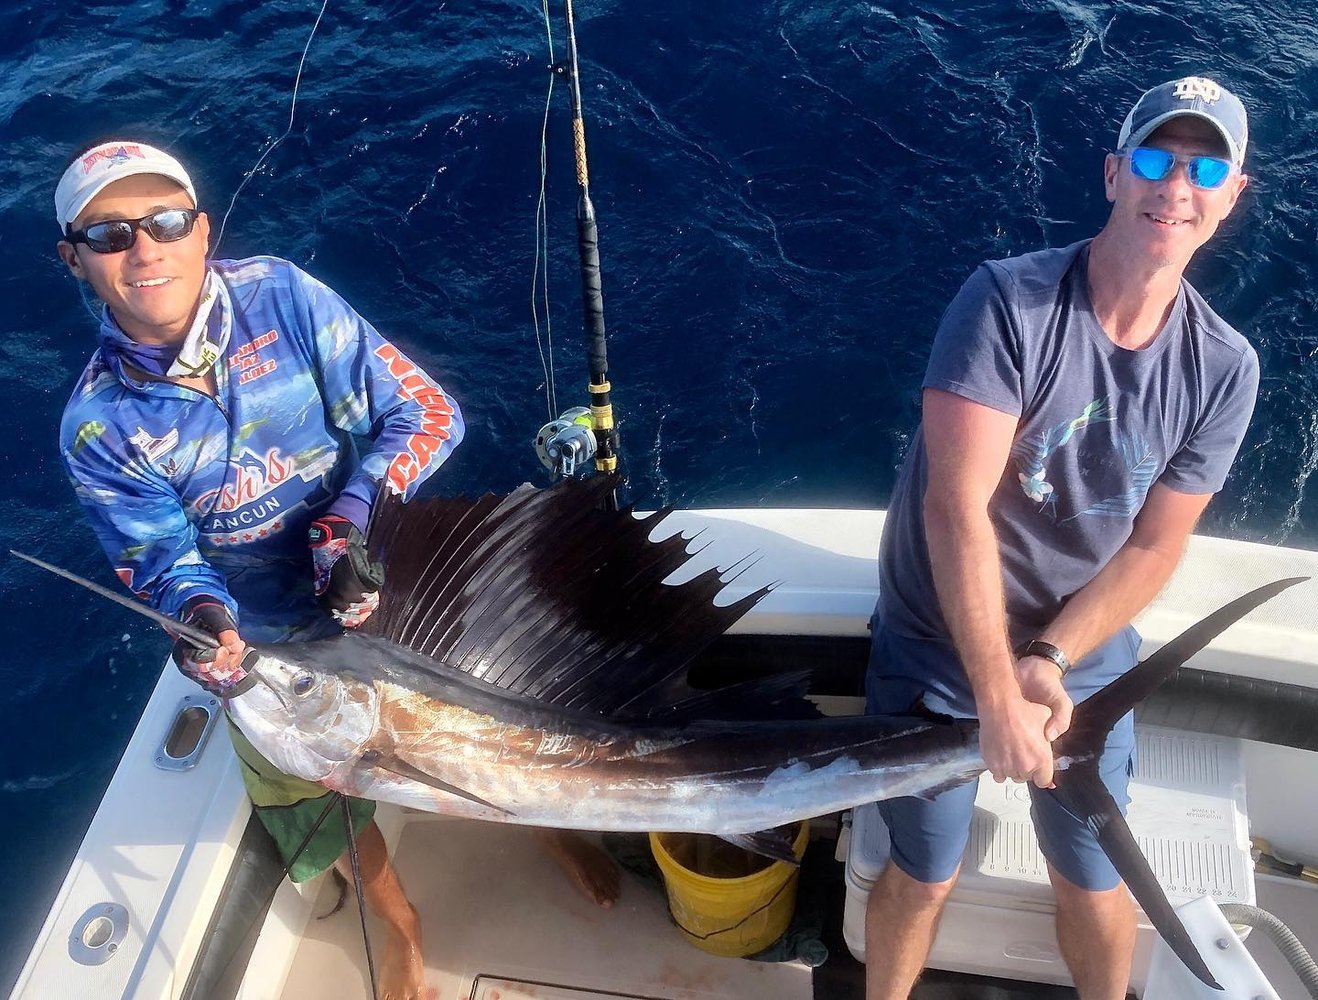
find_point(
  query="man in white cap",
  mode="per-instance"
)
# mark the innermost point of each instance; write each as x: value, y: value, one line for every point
x: 212, y: 442
x: 1081, y: 406
x: 200, y: 443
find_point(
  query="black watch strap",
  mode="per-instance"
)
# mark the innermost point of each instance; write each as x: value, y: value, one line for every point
x: 1037, y: 647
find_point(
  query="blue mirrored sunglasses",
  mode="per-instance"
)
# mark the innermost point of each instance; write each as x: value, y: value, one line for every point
x: 1207, y: 172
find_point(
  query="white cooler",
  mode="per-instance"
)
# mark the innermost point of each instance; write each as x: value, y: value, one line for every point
x: 1187, y: 812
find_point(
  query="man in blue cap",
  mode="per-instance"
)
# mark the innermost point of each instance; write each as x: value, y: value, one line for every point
x: 1081, y: 406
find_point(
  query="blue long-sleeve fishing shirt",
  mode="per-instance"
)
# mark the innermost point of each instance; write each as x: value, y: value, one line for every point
x: 190, y: 494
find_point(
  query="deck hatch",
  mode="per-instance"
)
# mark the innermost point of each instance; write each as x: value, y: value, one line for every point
x: 188, y: 732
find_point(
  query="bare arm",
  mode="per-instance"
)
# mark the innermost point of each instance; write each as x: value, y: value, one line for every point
x: 968, y: 446
x: 1122, y: 589
x: 1133, y: 577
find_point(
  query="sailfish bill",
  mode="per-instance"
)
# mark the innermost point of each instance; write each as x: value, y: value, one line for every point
x: 528, y: 664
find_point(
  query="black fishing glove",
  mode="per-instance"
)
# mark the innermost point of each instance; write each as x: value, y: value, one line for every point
x: 198, y: 662
x: 347, y: 581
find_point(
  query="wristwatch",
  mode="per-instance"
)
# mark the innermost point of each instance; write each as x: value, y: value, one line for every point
x: 1037, y: 647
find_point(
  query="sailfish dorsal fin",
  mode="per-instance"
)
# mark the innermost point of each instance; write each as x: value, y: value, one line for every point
x: 543, y: 593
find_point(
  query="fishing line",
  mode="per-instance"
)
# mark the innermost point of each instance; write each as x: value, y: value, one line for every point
x: 542, y: 241
x: 90, y: 301
x: 270, y: 897
x: 724, y: 930
x: 297, y: 82
x: 361, y: 892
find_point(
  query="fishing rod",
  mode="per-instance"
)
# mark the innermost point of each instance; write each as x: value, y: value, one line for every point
x: 194, y: 635
x: 582, y: 433
x: 204, y: 639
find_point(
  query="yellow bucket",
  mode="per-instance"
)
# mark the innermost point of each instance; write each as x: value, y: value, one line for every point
x: 729, y: 914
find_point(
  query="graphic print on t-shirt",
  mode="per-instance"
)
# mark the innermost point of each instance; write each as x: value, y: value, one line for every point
x: 1141, y: 466
x: 1032, y: 451
x: 1134, y: 456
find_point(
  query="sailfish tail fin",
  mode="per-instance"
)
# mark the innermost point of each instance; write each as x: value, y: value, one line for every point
x: 1082, y: 792
x: 1097, y: 714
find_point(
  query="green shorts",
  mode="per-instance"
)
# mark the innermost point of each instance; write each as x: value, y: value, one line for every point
x: 289, y: 808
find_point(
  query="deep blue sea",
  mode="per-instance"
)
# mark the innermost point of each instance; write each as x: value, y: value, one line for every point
x: 789, y: 193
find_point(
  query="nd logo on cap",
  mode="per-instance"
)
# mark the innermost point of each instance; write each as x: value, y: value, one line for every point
x: 1196, y: 86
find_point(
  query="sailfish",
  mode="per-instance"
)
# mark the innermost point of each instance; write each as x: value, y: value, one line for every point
x: 528, y: 664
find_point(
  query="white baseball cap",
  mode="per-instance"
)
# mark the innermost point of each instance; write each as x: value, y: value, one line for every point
x: 102, y: 165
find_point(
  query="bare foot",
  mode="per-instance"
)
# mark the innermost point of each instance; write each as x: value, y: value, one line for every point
x: 401, y: 973
x: 590, y: 869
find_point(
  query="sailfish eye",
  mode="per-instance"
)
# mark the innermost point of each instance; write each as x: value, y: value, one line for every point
x: 303, y: 683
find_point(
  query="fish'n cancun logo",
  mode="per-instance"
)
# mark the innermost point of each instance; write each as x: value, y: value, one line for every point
x: 247, y: 508
x: 1138, y: 461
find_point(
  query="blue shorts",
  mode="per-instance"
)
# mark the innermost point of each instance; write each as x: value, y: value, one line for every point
x: 929, y: 836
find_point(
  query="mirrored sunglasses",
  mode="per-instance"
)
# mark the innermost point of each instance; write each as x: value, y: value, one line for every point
x: 1206, y: 172
x: 117, y: 235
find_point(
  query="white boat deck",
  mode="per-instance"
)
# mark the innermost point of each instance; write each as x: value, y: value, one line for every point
x: 501, y: 920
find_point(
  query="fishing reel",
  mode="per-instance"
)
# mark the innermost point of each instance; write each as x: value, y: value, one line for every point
x: 566, y: 444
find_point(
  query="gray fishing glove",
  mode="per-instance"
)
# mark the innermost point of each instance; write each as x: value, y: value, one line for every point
x: 199, y: 662
x: 347, y: 581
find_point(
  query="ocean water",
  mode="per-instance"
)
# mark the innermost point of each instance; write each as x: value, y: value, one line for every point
x: 788, y: 192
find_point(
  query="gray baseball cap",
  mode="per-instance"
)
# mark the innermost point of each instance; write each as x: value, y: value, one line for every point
x: 1197, y: 96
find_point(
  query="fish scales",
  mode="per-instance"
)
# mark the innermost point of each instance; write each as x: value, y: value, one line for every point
x: 523, y: 762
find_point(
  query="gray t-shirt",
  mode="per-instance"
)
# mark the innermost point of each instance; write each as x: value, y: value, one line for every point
x: 1099, y: 425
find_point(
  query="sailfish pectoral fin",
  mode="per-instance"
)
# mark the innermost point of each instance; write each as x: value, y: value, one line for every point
x: 769, y: 843
x: 1081, y: 791
x: 395, y: 765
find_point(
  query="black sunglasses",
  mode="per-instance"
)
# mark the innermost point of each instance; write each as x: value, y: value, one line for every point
x: 117, y: 235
